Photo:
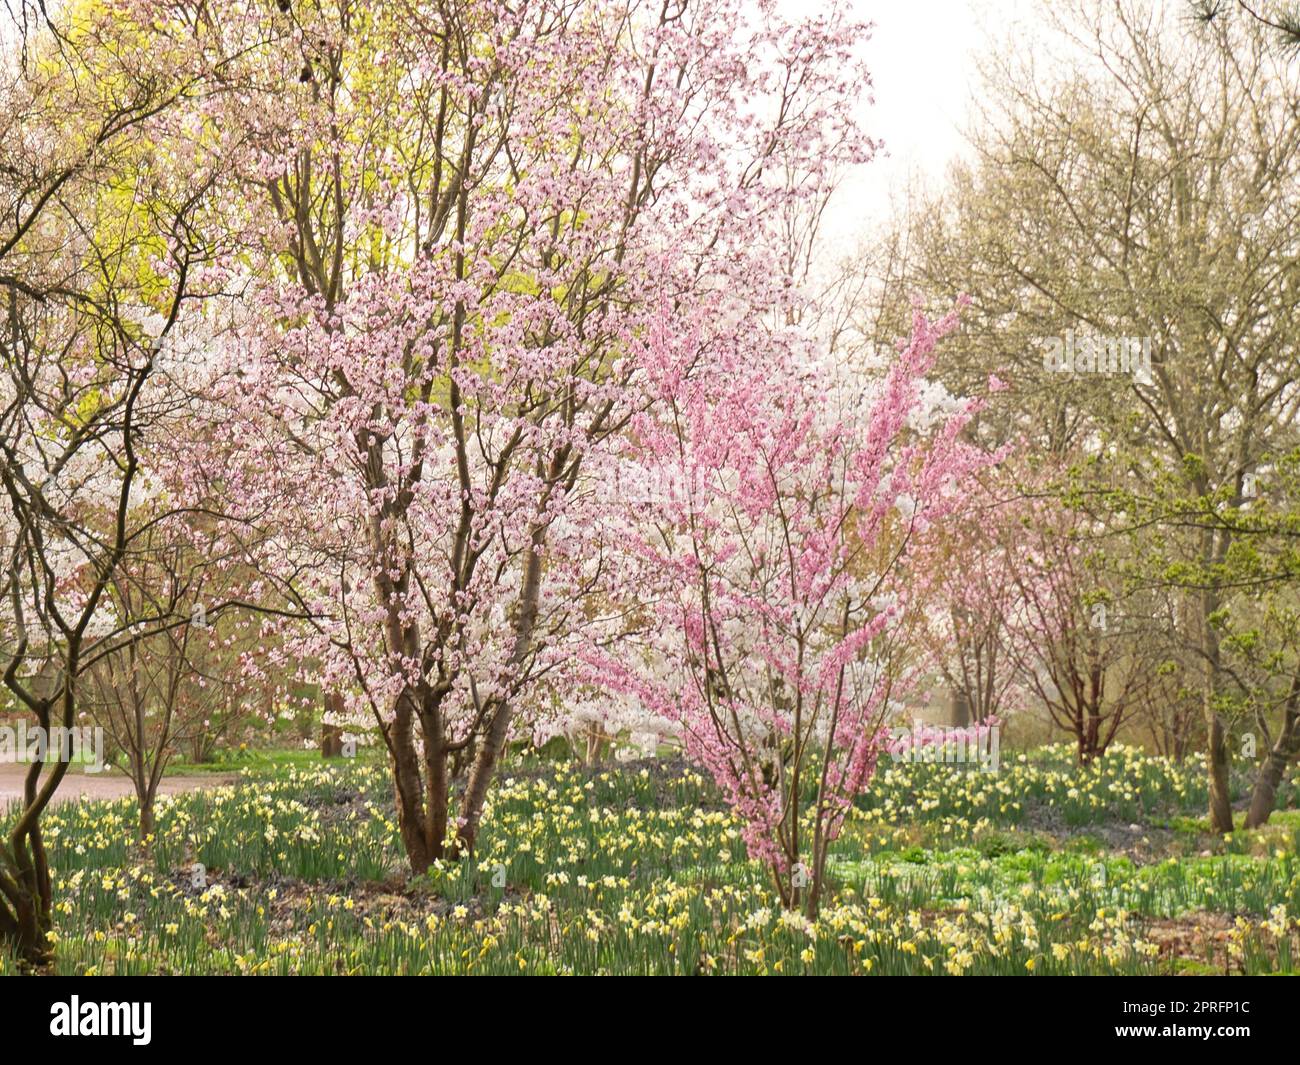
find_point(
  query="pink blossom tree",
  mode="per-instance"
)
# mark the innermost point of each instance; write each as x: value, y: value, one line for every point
x: 775, y: 568
x: 963, y: 603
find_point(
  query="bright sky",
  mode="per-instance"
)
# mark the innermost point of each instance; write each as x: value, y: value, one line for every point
x: 922, y: 58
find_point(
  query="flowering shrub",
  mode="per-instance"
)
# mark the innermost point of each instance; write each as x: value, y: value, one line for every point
x: 772, y: 572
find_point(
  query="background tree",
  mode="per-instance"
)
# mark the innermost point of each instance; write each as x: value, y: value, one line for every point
x: 185, y: 687
x: 1257, y: 584
x: 1084, y: 643
x: 963, y: 601
x: 98, y: 254
x: 1141, y: 184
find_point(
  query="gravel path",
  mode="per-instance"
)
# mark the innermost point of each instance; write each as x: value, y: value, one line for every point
x: 79, y: 784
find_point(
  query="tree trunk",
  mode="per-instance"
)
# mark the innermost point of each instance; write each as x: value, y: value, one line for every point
x: 480, y: 777
x: 1216, y: 764
x: 26, y: 907
x: 331, y: 741
x: 27, y: 936
x: 331, y: 735
x: 597, y: 744
x: 1216, y: 743
x: 26, y: 895
x: 408, y: 790
x: 435, y: 757
x: 1280, y: 756
x: 960, y: 704
x: 494, y: 739
x: 816, y: 888
x: 146, y: 819
x: 1087, y: 734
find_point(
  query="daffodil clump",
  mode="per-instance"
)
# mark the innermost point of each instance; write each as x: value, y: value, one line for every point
x: 1127, y: 784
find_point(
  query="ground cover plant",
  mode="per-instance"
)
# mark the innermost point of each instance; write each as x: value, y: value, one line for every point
x: 640, y: 868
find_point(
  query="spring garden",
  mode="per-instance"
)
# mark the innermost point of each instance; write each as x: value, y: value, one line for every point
x: 497, y: 487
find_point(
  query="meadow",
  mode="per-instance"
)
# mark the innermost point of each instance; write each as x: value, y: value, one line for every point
x: 1043, y: 867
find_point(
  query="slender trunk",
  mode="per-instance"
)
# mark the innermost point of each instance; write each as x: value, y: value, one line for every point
x: 489, y: 753
x: 818, y: 882
x: 1216, y: 764
x: 781, y: 880
x: 1216, y: 743
x: 439, y: 788
x: 1280, y: 756
x: 142, y: 797
x: 494, y: 738
x: 408, y: 789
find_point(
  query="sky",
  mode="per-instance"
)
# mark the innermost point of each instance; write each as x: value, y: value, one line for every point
x: 922, y: 55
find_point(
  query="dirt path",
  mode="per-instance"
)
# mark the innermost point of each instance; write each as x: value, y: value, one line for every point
x: 79, y: 784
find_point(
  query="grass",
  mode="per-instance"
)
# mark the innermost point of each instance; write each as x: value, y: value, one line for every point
x: 1042, y: 867
x: 264, y: 760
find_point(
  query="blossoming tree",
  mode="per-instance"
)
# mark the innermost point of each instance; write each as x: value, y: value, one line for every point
x: 467, y: 208
x: 777, y: 564
x: 963, y: 602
